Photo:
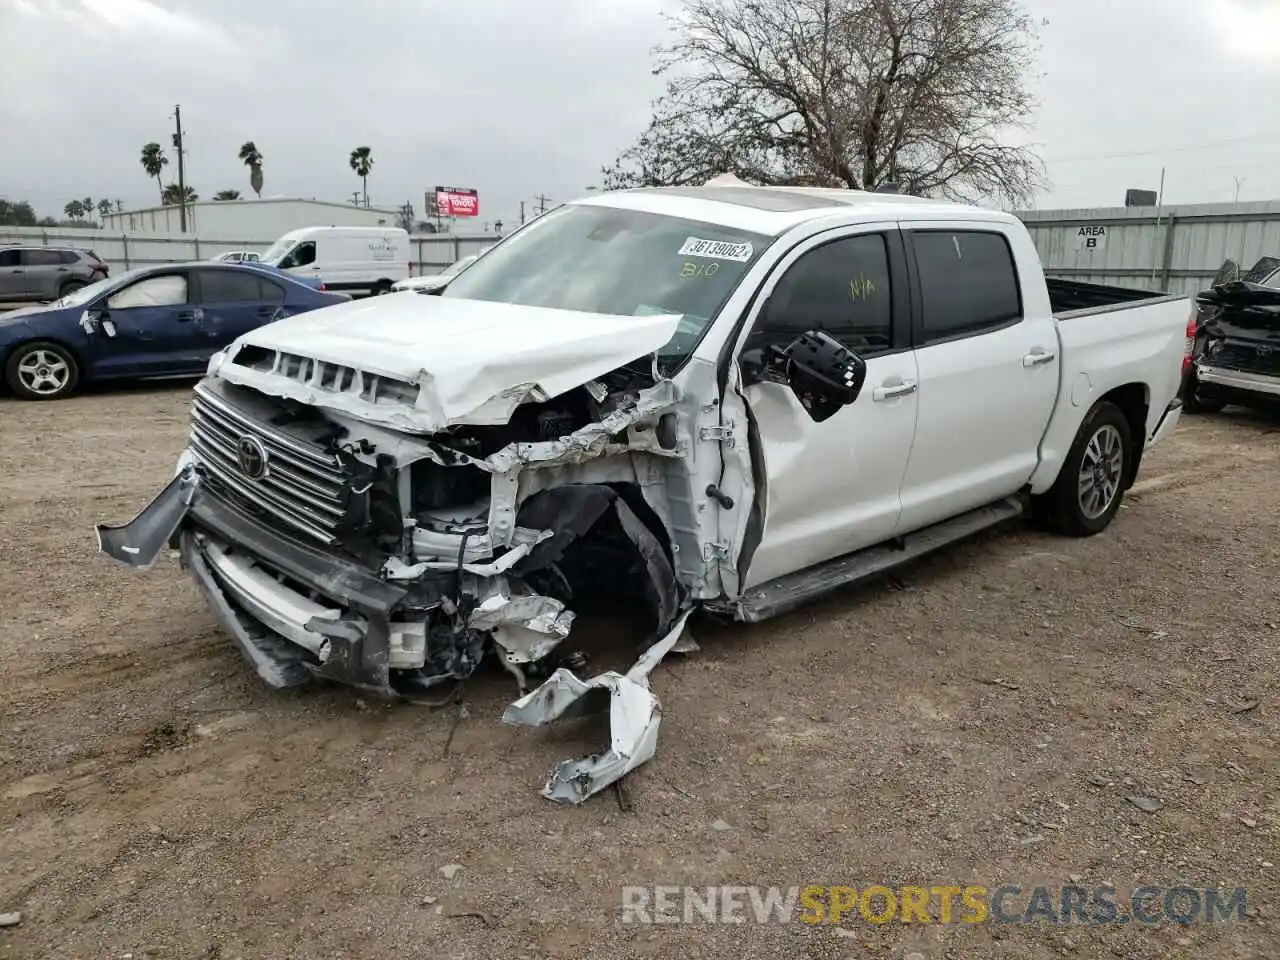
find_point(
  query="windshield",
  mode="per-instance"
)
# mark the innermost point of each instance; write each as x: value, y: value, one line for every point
x: 85, y: 294
x: 276, y: 252
x: 623, y: 262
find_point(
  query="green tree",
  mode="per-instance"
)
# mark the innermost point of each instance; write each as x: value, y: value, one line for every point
x: 844, y: 93
x: 104, y: 208
x: 74, y: 210
x: 252, y: 157
x: 227, y: 195
x: 171, y: 197
x: 18, y: 214
x: 361, y: 162
x: 153, y: 162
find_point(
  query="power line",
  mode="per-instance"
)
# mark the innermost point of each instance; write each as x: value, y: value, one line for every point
x: 1157, y: 151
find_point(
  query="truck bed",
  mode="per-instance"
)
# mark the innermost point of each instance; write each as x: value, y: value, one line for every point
x: 1073, y: 298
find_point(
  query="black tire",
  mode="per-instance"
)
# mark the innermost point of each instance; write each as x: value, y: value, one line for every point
x: 1074, y: 510
x: 382, y: 288
x: 41, y: 370
x: 70, y: 287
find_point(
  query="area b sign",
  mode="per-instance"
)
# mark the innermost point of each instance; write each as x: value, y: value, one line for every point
x: 457, y: 202
x: 1091, y: 238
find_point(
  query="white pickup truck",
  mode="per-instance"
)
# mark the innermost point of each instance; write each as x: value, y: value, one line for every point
x: 731, y: 398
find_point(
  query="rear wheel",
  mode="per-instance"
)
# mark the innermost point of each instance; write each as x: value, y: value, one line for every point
x: 1084, y: 499
x: 41, y: 371
x: 382, y: 288
x: 71, y: 286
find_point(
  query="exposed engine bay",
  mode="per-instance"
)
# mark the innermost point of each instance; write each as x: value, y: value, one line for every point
x: 335, y: 548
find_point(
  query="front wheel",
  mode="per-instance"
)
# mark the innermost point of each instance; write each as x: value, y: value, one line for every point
x: 41, y: 371
x: 1084, y: 499
x: 382, y: 288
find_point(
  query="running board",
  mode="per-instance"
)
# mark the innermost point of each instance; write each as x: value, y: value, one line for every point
x: 796, y: 589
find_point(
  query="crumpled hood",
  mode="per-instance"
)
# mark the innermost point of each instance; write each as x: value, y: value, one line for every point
x: 473, y: 361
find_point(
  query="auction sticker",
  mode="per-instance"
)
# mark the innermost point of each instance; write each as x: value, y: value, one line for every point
x: 716, y: 250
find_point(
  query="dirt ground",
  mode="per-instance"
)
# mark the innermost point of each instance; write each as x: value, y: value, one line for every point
x: 982, y: 719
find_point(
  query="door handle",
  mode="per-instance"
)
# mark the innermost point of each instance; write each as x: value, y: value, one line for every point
x: 1038, y: 359
x: 186, y: 316
x: 893, y: 392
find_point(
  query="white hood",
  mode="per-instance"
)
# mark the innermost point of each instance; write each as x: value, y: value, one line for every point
x: 474, y: 361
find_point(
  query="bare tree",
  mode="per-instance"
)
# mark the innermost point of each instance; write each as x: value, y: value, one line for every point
x: 851, y: 93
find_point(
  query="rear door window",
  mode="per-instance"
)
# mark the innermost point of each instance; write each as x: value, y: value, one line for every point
x: 42, y: 258
x: 968, y: 283
x: 234, y: 285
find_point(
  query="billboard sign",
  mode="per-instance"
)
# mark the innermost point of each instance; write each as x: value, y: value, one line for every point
x: 457, y: 202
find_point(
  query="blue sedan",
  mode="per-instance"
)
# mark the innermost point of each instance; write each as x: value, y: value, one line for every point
x: 164, y: 321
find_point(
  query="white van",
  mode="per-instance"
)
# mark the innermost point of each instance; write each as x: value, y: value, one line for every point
x: 355, y: 260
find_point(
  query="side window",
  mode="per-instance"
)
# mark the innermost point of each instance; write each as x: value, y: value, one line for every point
x: 301, y: 255
x: 42, y: 258
x: 270, y: 292
x: 163, y: 291
x: 8, y: 258
x: 233, y: 285
x: 968, y: 282
x: 841, y: 288
x: 69, y: 256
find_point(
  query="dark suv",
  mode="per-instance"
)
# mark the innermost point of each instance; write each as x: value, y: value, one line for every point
x: 46, y: 273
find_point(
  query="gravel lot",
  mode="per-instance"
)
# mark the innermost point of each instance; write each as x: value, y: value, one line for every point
x: 981, y: 719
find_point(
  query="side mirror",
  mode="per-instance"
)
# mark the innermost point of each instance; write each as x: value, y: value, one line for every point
x: 96, y: 320
x: 824, y: 374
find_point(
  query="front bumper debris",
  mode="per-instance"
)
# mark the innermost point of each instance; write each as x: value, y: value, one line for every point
x: 296, y: 612
x: 634, y: 715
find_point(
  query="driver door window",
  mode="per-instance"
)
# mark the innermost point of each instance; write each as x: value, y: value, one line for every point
x: 167, y: 291
x: 303, y: 255
x: 841, y: 288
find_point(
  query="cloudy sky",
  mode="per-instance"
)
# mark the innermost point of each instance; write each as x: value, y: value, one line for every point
x: 524, y: 97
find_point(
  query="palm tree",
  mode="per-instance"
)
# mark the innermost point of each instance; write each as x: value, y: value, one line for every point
x: 87, y: 205
x: 74, y: 210
x: 171, y: 196
x: 227, y: 195
x: 362, y: 163
x: 154, y: 161
x: 252, y: 158
x: 104, y: 209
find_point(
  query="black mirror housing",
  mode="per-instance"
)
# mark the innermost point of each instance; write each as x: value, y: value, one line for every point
x: 818, y: 363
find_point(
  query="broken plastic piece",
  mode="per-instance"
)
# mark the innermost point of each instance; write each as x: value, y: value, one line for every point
x: 634, y: 715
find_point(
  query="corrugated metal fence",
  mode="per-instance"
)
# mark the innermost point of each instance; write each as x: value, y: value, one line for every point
x: 427, y: 254
x: 1179, y: 250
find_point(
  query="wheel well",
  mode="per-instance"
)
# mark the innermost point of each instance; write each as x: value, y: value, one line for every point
x: 1133, y: 402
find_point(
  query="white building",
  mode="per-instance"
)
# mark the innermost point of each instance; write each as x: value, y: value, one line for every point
x: 250, y: 221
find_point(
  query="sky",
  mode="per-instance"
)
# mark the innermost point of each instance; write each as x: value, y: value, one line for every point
x: 526, y: 98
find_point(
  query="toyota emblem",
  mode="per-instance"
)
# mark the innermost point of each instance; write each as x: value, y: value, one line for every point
x: 1264, y: 351
x: 252, y: 457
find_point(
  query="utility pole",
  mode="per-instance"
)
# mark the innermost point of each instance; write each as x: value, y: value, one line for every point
x: 1239, y: 181
x: 542, y: 203
x: 182, y: 175
x: 522, y: 213
x: 355, y: 197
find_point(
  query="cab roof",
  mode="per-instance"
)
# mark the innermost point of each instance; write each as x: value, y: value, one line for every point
x: 774, y: 210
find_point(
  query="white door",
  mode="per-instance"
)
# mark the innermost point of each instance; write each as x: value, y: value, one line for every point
x: 987, y: 354
x: 832, y: 486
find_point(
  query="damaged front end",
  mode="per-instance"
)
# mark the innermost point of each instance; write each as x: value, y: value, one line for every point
x: 330, y: 546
